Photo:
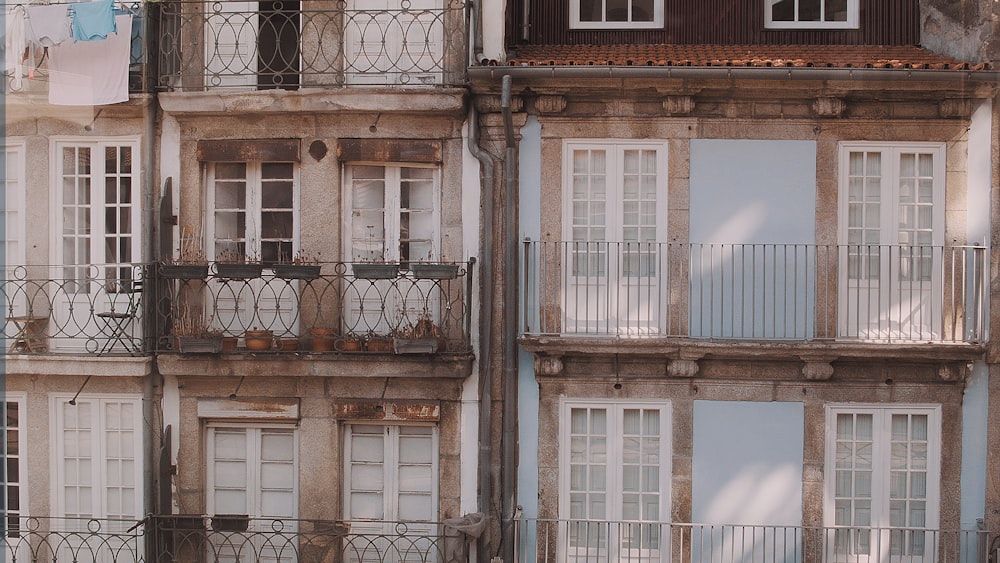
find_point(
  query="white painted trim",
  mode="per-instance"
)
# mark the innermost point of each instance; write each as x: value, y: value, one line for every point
x: 575, y: 23
x: 16, y: 198
x: 23, y: 450
x: 253, y: 462
x: 852, y: 22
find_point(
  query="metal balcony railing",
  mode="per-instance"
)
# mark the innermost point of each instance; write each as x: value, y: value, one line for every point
x: 794, y: 292
x: 358, y: 310
x: 290, y: 44
x: 583, y: 541
x: 197, y: 538
x: 29, y: 78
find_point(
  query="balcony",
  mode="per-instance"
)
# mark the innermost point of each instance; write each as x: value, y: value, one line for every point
x: 756, y: 292
x: 567, y: 541
x: 291, y: 45
x: 121, y: 310
x: 230, y: 538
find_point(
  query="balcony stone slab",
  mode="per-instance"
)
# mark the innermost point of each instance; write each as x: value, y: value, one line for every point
x: 441, y: 101
x: 447, y: 366
x: 52, y: 364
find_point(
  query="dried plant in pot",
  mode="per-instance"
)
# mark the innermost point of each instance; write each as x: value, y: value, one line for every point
x: 190, y: 263
x: 303, y: 266
x: 194, y: 335
x: 422, y: 337
x: 374, y: 266
x: 233, y: 265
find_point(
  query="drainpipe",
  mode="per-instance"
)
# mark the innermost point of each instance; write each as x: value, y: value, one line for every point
x: 150, y: 382
x: 485, y: 324
x: 509, y: 335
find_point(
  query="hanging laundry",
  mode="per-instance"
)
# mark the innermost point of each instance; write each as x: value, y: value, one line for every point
x: 48, y: 25
x: 15, y: 45
x: 93, y: 21
x: 86, y: 73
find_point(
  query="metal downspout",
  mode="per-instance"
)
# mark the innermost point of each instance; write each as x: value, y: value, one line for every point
x: 485, y: 323
x: 151, y: 381
x: 509, y: 334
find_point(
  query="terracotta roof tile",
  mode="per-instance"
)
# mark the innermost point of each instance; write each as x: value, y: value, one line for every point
x: 823, y: 56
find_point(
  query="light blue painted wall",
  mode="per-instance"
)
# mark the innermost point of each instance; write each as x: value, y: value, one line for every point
x: 753, y: 215
x: 747, y: 463
x: 975, y: 413
x: 530, y: 180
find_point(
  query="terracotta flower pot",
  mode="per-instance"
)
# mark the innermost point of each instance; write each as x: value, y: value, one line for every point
x: 259, y: 340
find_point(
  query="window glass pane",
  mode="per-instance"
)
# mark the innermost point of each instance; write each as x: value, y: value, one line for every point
x: 642, y: 10
x: 590, y: 10
x: 836, y: 11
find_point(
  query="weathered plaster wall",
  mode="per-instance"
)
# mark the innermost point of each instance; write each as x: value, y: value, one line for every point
x: 964, y: 29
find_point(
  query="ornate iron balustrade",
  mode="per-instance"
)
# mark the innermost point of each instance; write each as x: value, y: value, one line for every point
x: 36, y: 540
x: 568, y: 541
x: 251, y: 540
x: 95, y: 309
x: 288, y: 44
x: 140, y: 75
x: 359, y: 310
x: 757, y: 291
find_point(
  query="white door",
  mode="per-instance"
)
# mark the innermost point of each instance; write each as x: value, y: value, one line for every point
x: 231, y: 30
x: 97, y: 194
x: 255, y: 218
x: 390, y: 484
x: 891, y: 275
x: 615, y: 220
x: 385, y: 43
x: 253, y: 471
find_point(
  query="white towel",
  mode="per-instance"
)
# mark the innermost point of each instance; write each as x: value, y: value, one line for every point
x: 15, y: 45
x: 92, y: 73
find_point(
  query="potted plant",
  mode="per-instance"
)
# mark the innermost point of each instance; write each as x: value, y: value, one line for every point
x: 374, y: 266
x: 434, y: 270
x: 322, y: 338
x: 423, y: 337
x: 258, y: 340
x: 350, y: 343
x: 230, y: 522
x: 192, y: 335
x: 303, y: 266
x: 231, y: 264
x: 190, y: 263
x: 378, y: 343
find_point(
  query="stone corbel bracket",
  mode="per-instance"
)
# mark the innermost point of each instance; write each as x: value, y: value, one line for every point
x: 678, y: 105
x: 954, y: 371
x: 548, y: 364
x: 550, y: 104
x: 955, y: 107
x: 685, y: 365
x: 829, y: 107
x: 817, y: 368
x: 492, y: 104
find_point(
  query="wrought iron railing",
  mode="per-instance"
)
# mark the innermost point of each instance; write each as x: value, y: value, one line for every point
x: 192, y: 538
x: 290, y: 44
x: 33, y: 75
x: 340, y: 308
x: 95, y: 308
x: 580, y: 541
x: 756, y: 291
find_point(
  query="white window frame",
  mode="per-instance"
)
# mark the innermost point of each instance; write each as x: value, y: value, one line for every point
x: 614, y: 550
x: 253, y: 486
x: 19, y: 399
x: 885, y: 304
x: 252, y: 235
x: 881, y: 434
x: 605, y: 296
x: 15, y: 206
x: 852, y: 21
x: 99, y: 454
x: 97, y: 216
x: 390, y: 468
x: 576, y: 23
x: 376, y: 53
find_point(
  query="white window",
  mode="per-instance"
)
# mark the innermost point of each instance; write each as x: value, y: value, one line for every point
x: 97, y: 199
x: 615, y: 222
x: 814, y: 14
x: 616, y: 14
x: 393, y: 212
x: 616, y: 474
x: 253, y: 472
x: 254, y: 217
x: 391, y: 476
x: 882, y: 475
x: 14, y: 469
x: 386, y: 42
x: 97, y: 461
x: 892, y: 236
x: 15, y: 191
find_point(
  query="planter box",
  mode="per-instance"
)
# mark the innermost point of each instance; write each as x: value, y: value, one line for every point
x: 415, y: 345
x: 296, y: 271
x: 230, y: 522
x: 238, y: 271
x: 199, y: 345
x: 184, y: 271
x: 424, y: 271
x: 375, y: 271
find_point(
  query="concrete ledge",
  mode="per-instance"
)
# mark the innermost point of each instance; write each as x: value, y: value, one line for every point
x: 448, y: 101
x: 52, y: 364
